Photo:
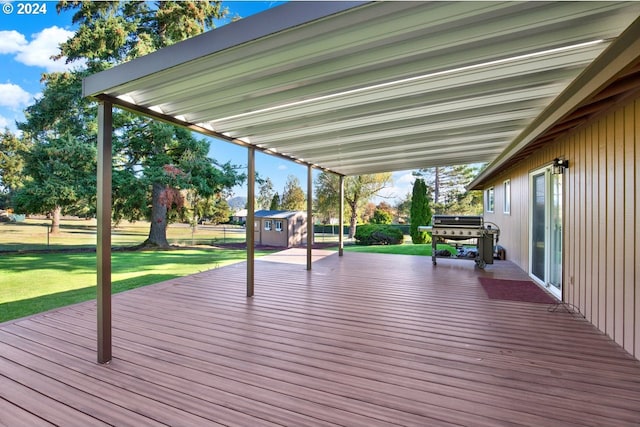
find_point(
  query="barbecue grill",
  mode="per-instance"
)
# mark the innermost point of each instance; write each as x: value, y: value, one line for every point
x: 458, y: 228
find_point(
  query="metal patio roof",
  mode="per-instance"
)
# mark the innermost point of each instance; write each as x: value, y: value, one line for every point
x: 360, y: 88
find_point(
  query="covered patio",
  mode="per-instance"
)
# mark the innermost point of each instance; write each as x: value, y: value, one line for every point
x: 361, y: 340
x: 358, y: 88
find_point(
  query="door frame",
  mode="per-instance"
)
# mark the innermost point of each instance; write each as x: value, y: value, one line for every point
x: 549, y: 257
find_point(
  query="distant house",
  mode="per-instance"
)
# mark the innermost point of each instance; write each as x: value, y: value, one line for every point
x: 280, y: 228
x: 239, y: 216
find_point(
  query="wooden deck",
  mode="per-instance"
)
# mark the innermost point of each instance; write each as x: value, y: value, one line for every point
x: 363, y: 340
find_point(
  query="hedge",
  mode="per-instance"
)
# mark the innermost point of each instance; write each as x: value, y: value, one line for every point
x: 378, y: 234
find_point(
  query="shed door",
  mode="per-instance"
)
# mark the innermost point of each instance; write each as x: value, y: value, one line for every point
x: 257, y: 232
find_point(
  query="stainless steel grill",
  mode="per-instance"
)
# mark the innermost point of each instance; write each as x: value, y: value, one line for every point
x: 458, y: 228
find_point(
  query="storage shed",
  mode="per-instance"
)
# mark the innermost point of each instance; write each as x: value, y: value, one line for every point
x: 280, y: 228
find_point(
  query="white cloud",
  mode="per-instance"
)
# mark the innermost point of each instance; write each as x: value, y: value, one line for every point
x: 4, y: 123
x: 13, y: 96
x: 282, y: 167
x: 9, y: 123
x: 12, y: 42
x: 39, y: 50
x: 44, y: 45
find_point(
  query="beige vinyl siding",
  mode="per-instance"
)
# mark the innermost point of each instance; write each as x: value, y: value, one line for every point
x: 601, y: 236
x: 636, y: 202
x: 636, y: 208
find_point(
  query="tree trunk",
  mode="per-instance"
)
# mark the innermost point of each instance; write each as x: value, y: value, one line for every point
x: 158, y: 231
x: 55, y: 220
x: 353, y: 220
x: 195, y: 218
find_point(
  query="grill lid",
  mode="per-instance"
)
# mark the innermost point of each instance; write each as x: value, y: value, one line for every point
x: 457, y: 221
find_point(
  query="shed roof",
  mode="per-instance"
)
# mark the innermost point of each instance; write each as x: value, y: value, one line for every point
x: 278, y: 214
x: 367, y: 87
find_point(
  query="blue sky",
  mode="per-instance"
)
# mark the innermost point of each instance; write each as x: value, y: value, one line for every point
x: 27, y: 42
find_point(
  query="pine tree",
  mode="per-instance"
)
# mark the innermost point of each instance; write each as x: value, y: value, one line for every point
x: 12, y: 150
x: 153, y: 161
x: 275, y: 203
x: 420, y: 211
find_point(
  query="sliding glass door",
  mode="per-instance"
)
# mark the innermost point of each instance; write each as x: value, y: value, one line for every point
x: 545, y: 243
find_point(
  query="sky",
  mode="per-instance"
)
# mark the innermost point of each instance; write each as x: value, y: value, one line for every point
x: 30, y: 33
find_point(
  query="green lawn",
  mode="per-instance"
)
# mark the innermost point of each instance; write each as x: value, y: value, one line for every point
x: 404, y: 249
x: 33, y: 234
x: 32, y: 283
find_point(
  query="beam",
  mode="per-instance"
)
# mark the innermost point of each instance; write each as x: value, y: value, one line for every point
x: 309, y: 215
x: 250, y: 224
x: 137, y: 109
x: 103, y: 247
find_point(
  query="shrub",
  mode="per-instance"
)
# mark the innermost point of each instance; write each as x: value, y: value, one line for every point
x: 378, y: 234
x: 381, y: 216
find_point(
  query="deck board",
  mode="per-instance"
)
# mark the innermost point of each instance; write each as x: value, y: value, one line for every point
x: 362, y: 340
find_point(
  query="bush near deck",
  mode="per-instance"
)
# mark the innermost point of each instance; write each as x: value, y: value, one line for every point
x: 378, y: 234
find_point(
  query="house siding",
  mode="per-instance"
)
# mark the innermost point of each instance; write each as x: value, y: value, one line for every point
x: 600, y: 264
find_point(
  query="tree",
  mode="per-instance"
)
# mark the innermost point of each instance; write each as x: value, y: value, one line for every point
x: 382, y: 213
x: 206, y: 182
x: 265, y: 194
x: 57, y: 180
x: 381, y: 216
x: 420, y: 211
x: 293, y: 198
x: 327, y: 192
x: 366, y: 213
x: 61, y: 110
x: 403, y: 209
x: 467, y: 203
x: 447, y: 185
x: 152, y: 158
x: 61, y: 177
x: 117, y: 31
x: 171, y: 160
x: 384, y: 206
x: 358, y: 191
x: 12, y: 151
x: 221, y: 212
x: 275, y: 203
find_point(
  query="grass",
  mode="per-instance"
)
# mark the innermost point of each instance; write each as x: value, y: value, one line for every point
x: 403, y: 249
x: 32, y: 283
x: 33, y: 234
